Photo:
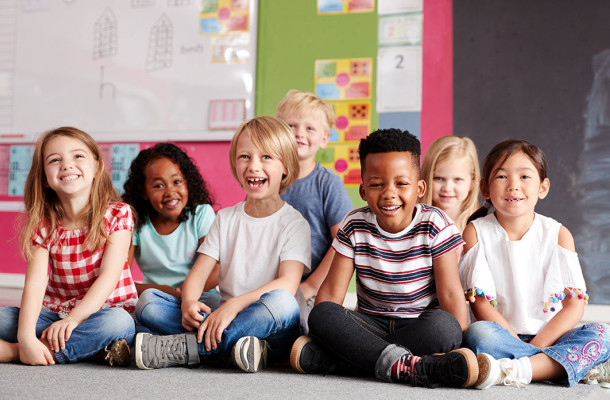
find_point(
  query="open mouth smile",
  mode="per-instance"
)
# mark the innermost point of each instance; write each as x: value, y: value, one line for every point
x: 256, y: 182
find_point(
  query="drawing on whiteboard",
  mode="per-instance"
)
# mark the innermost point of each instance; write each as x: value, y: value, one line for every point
x: 104, y: 85
x: 105, y: 35
x: 142, y: 3
x: 592, y: 236
x: 160, y: 45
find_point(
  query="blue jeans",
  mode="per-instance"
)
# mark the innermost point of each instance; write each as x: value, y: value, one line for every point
x: 274, y: 318
x: 88, y: 338
x: 577, y: 350
x: 167, y: 322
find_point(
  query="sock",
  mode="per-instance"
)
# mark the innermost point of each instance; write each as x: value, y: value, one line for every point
x: 524, y: 369
x: 404, y: 368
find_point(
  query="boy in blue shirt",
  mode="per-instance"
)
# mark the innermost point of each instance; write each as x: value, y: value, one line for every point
x: 318, y: 194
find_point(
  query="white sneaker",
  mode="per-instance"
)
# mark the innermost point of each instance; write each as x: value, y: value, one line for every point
x: 495, y: 372
x: 600, y: 374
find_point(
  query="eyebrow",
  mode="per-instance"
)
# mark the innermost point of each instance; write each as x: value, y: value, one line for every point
x: 71, y: 151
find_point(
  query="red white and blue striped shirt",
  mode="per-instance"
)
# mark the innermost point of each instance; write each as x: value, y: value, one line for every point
x: 394, y: 271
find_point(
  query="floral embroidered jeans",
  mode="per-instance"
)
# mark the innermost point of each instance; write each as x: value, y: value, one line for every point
x: 577, y: 350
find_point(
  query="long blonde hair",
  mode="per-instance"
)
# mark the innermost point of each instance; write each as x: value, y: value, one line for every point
x: 274, y: 136
x: 447, y: 148
x: 43, y: 206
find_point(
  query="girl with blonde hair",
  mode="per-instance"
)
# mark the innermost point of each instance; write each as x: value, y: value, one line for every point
x: 451, y: 172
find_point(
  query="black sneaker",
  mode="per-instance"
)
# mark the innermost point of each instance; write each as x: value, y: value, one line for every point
x: 166, y: 351
x: 458, y: 368
x: 308, y: 357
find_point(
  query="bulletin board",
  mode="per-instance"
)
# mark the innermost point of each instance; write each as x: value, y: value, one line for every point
x: 127, y: 70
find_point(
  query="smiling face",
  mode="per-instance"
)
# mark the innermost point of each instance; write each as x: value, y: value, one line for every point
x: 451, y: 183
x: 515, y: 187
x: 391, y: 187
x: 165, y: 188
x: 310, y: 133
x: 259, y: 173
x: 69, y: 167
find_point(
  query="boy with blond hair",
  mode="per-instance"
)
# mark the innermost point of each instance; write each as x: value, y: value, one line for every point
x: 318, y: 194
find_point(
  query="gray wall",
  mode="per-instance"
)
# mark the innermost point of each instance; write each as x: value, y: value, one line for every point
x: 539, y: 70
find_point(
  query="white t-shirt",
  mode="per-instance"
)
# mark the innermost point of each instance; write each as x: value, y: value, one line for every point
x: 521, y: 275
x: 250, y: 249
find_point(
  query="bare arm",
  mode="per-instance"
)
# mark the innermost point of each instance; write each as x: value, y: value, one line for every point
x: 191, y: 291
x: 289, y: 276
x: 449, y: 289
x: 312, y: 284
x: 31, y: 350
x: 337, y: 281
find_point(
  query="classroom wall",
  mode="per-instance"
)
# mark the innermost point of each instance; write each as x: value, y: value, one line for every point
x: 213, y: 162
x: 291, y: 37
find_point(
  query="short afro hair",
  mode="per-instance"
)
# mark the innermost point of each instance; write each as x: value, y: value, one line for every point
x: 389, y: 140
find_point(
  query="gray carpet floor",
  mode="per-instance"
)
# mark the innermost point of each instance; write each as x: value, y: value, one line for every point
x: 94, y: 381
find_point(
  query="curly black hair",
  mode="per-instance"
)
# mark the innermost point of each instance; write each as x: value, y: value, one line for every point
x: 134, y: 186
x: 388, y: 140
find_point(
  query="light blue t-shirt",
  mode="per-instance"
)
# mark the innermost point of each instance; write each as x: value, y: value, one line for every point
x: 167, y: 259
x: 323, y: 201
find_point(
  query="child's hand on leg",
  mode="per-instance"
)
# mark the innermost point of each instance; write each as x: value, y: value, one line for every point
x: 59, y: 333
x: 191, y: 314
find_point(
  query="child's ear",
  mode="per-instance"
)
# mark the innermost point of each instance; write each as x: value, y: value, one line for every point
x: 421, y: 188
x: 362, y: 192
x: 325, y: 139
x: 484, y: 190
x: 545, y: 186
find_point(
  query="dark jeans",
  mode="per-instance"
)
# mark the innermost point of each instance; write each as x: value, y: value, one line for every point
x: 373, y: 343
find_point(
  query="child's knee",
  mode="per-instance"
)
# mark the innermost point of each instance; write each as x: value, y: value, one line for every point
x: 147, y: 297
x: 282, y: 304
x: 478, y: 332
x: 117, y: 322
x: 321, y: 312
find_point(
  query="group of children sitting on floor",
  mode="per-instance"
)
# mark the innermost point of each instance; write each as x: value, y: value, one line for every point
x: 265, y: 280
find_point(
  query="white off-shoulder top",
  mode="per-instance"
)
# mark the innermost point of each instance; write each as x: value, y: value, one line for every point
x: 524, y: 279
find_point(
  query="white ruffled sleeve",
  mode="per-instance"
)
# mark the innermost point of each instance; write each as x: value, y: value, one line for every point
x: 564, y: 273
x: 475, y: 274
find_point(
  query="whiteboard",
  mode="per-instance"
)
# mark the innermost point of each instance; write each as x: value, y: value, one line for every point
x: 124, y: 70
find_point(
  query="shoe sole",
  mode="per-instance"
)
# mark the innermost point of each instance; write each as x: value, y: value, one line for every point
x: 120, y: 354
x: 487, y: 371
x: 472, y: 366
x: 295, y: 353
x: 248, y: 355
x: 138, y: 350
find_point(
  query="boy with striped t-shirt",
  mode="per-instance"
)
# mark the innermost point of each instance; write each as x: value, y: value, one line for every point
x: 410, y: 301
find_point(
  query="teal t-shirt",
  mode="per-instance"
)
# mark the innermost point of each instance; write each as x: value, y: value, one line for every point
x: 167, y: 259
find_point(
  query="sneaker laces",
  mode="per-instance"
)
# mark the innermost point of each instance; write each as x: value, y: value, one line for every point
x: 600, y: 374
x: 509, y: 375
x: 171, y: 348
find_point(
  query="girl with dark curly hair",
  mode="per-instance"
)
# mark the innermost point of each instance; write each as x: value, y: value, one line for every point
x: 174, y: 214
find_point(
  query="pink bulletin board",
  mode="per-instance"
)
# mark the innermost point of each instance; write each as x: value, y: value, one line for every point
x: 437, y: 75
x: 212, y: 158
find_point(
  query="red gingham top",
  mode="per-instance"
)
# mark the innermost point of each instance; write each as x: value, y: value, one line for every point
x: 73, y: 268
